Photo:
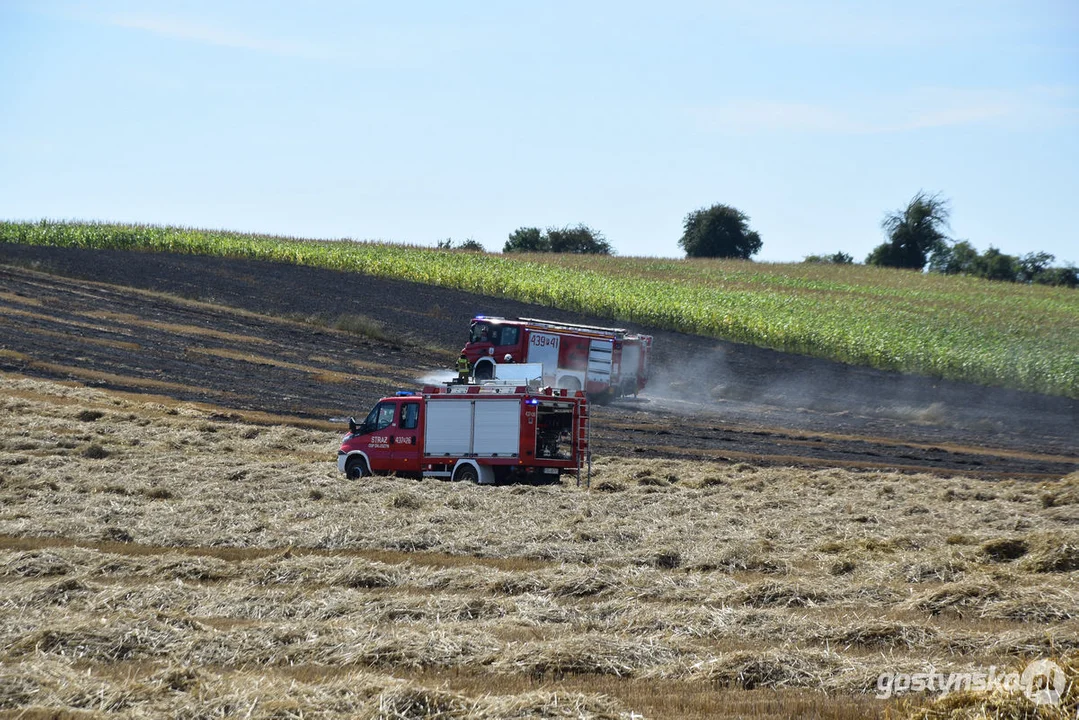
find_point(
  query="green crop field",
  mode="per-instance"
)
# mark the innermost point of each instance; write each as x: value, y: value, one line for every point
x: 1005, y: 334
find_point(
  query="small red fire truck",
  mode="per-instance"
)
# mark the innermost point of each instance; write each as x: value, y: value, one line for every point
x: 479, y: 433
x: 603, y: 362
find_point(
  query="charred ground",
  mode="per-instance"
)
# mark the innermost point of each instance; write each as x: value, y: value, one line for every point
x: 253, y: 337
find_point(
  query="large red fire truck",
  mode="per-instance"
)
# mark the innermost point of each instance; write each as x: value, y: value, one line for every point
x: 601, y: 361
x: 476, y: 432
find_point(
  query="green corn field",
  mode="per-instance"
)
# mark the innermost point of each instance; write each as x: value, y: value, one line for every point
x: 959, y: 328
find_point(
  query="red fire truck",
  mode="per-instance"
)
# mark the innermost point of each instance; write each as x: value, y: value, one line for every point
x: 479, y: 433
x: 603, y: 362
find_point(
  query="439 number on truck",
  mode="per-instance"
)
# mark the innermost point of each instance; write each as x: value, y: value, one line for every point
x: 603, y: 362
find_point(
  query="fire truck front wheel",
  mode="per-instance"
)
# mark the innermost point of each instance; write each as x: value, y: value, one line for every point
x: 466, y: 473
x: 356, y: 468
x: 484, y: 371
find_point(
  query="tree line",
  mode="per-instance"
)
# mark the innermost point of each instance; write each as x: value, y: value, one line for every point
x: 916, y: 239
x: 718, y: 231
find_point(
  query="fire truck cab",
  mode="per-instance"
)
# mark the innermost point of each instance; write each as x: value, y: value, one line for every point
x: 602, y: 362
x: 480, y: 433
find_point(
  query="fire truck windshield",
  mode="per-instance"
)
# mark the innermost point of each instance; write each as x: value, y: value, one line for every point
x: 484, y: 332
x: 380, y: 417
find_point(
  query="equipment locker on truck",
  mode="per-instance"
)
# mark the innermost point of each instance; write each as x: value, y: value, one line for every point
x: 480, y: 433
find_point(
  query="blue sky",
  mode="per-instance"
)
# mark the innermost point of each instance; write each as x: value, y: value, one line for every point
x: 416, y: 122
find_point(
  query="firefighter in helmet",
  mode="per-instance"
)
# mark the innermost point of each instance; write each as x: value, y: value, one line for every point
x: 463, y: 368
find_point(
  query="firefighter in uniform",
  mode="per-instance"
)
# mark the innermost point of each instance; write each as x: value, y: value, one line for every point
x: 463, y: 369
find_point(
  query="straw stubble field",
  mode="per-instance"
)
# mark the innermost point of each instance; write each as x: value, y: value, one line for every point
x: 160, y: 559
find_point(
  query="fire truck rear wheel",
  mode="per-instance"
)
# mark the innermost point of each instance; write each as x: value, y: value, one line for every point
x: 466, y: 473
x: 356, y: 468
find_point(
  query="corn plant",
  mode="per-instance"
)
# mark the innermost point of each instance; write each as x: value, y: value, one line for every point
x: 1023, y: 337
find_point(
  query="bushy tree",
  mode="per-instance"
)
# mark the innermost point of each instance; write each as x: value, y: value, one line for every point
x: 719, y: 231
x: 1067, y: 276
x: 1035, y: 267
x: 913, y: 233
x: 957, y: 259
x: 580, y: 240
x: 472, y: 245
x: 1032, y: 265
x: 839, y: 258
x: 995, y: 265
x: 527, y: 239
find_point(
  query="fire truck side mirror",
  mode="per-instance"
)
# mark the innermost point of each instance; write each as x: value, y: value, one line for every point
x: 352, y: 427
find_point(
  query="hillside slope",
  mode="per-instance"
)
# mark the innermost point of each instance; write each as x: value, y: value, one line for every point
x: 708, y: 399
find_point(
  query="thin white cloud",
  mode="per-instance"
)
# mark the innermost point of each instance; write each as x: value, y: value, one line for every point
x: 748, y: 116
x: 364, y: 45
x: 856, y: 24
x: 918, y: 110
x: 180, y: 29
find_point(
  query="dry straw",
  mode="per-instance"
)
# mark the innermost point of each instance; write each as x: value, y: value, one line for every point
x: 194, y: 573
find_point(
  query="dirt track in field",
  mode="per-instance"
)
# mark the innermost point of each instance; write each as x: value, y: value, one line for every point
x: 238, y: 335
